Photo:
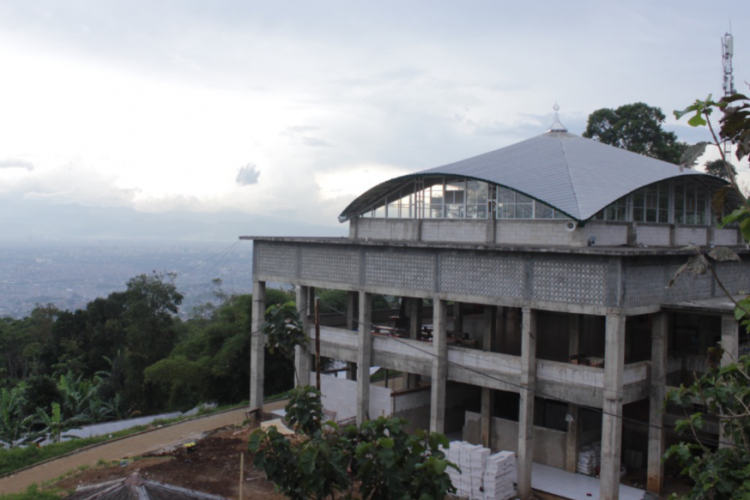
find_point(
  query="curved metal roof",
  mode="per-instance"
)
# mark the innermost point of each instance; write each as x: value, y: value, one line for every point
x: 572, y: 174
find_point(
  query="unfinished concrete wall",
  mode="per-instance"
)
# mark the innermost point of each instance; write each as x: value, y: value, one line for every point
x: 388, y: 229
x: 340, y: 396
x: 458, y: 230
x: 549, y: 445
x: 656, y: 235
x: 554, y: 232
x: 684, y: 235
x: 414, y: 406
x: 725, y: 236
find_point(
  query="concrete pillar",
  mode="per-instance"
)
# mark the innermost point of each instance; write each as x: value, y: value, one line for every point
x: 351, y: 324
x: 614, y: 362
x: 415, y: 327
x: 257, y: 345
x: 439, y: 366
x: 730, y: 345
x: 488, y: 396
x: 526, y: 413
x: 351, y: 307
x: 364, y: 357
x: 659, y: 329
x: 571, y: 442
x: 729, y: 339
x: 458, y: 319
x: 574, y: 334
x: 302, y: 360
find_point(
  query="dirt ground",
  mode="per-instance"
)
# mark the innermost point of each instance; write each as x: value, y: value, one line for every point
x: 212, y: 467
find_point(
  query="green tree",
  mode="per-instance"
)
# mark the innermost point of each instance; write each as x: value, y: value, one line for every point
x: 720, y: 168
x: 720, y: 472
x: 151, y: 301
x: 386, y: 461
x: 638, y: 128
x: 209, y: 363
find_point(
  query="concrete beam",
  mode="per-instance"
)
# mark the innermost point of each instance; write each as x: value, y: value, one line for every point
x: 614, y: 363
x: 526, y: 413
x: 659, y: 329
x: 364, y: 357
x: 439, y: 366
x: 257, y: 345
x: 302, y: 360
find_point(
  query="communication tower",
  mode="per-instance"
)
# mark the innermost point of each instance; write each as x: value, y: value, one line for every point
x: 727, y: 51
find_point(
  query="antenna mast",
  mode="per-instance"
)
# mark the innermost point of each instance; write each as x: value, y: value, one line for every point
x: 727, y: 51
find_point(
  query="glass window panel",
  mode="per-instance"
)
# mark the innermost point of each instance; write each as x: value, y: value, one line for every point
x: 524, y: 211
x: 505, y: 210
x: 393, y: 211
x: 520, y: 198
x: 453, y: 211
x: 505, y: 195
x: 476, y: 192
x: 638, y: 214
x: 543, y: 211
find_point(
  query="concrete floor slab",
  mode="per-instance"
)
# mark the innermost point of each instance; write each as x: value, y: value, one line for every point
x: 573, y: 486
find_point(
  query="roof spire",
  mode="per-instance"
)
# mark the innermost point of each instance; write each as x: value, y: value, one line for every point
x: 556, y: 125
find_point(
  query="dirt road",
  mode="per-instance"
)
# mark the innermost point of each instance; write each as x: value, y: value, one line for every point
x: 128, y: 447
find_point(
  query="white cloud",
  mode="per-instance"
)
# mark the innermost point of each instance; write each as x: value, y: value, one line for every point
x: 155, y: 107
x: 247, y: 175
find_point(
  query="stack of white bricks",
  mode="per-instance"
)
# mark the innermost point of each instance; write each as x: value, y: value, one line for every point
x: 483, y: 476
x: 498, y: 476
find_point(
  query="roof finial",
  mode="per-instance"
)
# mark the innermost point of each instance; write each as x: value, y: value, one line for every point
x: 556, y: 125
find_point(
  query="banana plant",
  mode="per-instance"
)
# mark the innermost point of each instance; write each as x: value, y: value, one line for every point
x: 14, y: 425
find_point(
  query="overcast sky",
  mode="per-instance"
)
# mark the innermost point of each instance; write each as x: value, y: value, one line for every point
x: 293, y: 108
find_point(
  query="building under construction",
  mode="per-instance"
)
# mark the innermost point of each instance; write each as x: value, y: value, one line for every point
x: 535, y: 313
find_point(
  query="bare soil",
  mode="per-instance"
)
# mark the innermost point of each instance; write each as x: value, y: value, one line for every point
x: 212, y: 467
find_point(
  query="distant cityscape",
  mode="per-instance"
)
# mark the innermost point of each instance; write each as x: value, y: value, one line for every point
x: 69, y: 275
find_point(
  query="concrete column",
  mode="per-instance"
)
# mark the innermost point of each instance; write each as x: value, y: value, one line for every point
x: 488, y: 396
x: 458, y: 319
x: 415, y: 326
x: 659, y: 329
x: 574, y: 334
x: 571, y: 444
x: 302, y: 360
x: 257, y: 345
x: 526, y: 413
x: 364, y: 357
x: 351, y: 324
x: 729, y: 339
x: 439, y: 366
x: 730, y: 345
x: 614, y: 362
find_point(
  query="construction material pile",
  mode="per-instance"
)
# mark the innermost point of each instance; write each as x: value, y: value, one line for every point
x: 589, y: 459
x: 483, y: 476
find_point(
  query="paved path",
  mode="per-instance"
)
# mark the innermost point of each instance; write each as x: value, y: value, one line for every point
x: 127, y: 447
